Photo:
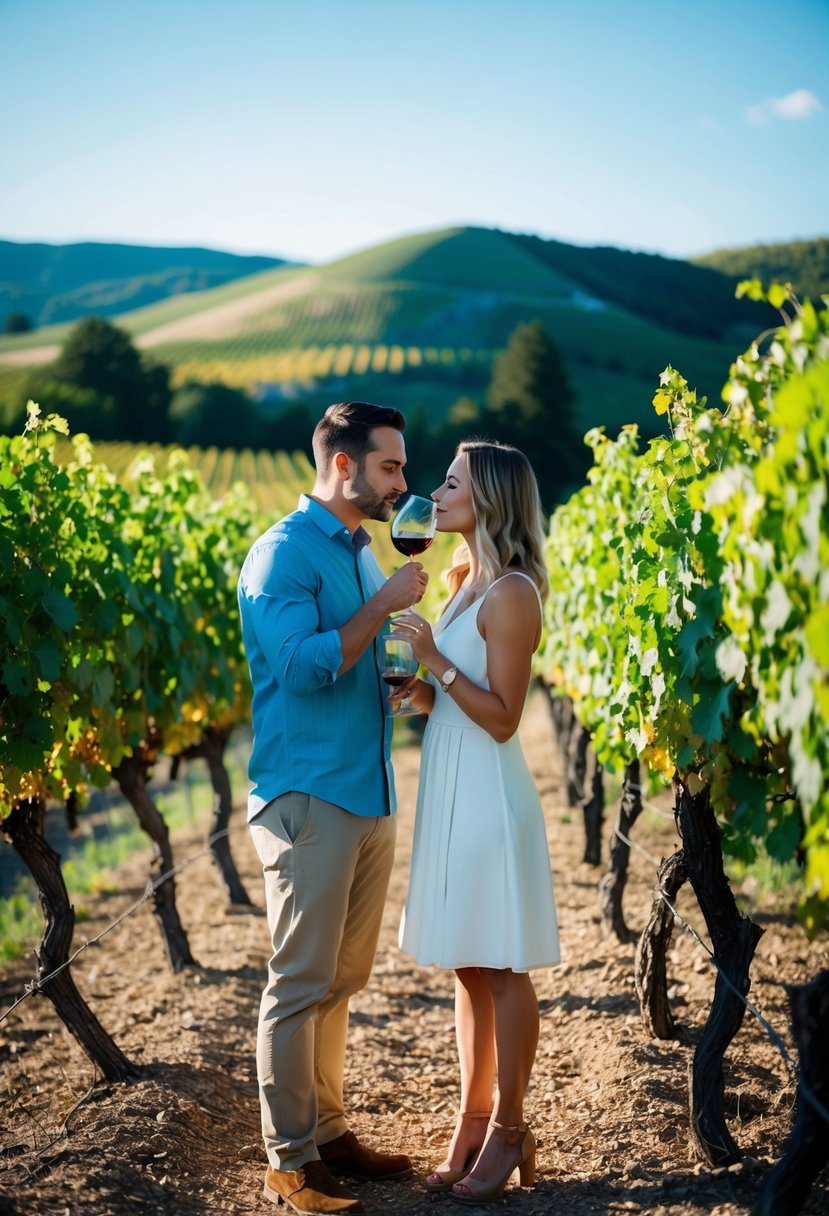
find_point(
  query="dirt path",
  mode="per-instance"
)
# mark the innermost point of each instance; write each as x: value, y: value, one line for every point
x: 608, y: 1106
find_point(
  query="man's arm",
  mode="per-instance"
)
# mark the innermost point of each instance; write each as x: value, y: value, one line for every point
x: 278, y: 602
x: 404, y: 588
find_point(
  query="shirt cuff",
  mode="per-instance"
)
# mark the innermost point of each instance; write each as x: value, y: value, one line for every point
x: 329, y: 654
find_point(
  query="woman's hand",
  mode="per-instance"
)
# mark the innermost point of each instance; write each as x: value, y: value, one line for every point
x: 418, y: 632
x: 421, y: 695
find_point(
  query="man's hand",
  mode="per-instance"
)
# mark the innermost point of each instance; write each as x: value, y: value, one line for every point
x: 405, y: 587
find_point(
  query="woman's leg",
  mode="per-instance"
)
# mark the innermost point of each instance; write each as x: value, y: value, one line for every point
x: 515, y: 1022
x: 474, y: 1031
x: 475, y: 1034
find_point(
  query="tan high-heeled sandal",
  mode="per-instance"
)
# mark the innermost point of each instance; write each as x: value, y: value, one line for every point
x: 442, y: 1180
x: 462, y: 1193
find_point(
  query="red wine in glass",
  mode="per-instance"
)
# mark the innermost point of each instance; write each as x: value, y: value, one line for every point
x: 395, y: 676
x: 411, y: 544
x: 397, y: 665
x: 413, y: 526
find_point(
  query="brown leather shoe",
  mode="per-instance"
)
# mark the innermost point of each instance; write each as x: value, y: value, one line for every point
x: 311, y: 1190
x: 347, y: 1155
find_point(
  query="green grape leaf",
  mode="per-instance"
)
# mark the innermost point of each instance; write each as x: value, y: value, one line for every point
x: 49, y: 658
x: 784, y: 838
x: 60, y: 609
x: 18, y: 678
x: 103, y: 686
x: 708, y: 714
x: 817, y: 634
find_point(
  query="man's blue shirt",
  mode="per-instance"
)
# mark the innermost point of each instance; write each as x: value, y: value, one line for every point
x: 314, y: 732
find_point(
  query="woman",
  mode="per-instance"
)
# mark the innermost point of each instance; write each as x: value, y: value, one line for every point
x: 480, y: 896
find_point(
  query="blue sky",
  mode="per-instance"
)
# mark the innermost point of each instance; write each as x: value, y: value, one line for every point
x: 311, y: 128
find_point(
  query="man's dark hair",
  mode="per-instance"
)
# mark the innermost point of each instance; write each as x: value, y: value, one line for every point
x: 347, y: 426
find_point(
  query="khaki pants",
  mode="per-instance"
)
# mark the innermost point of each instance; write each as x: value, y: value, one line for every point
x: 326, y: 877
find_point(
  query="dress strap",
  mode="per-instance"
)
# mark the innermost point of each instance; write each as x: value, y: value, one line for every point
x: 530, y: 580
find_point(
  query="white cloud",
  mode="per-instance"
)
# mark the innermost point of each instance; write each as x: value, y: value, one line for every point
x: 801, y: 103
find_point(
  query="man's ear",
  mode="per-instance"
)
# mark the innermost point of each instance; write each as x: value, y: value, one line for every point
x: 342, y: 465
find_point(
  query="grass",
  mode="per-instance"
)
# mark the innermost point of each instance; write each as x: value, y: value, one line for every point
x: 765, y: 883
x: 88, y: 870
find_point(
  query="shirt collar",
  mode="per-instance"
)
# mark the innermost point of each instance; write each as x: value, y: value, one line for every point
x: 328, y: 523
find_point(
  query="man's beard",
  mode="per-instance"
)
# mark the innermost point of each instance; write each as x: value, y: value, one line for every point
x: 370, y: 504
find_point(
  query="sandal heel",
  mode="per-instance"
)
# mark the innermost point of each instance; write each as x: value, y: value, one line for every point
x: 526, y: 1166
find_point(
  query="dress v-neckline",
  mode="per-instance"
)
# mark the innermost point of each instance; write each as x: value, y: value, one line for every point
x: 453, y: 614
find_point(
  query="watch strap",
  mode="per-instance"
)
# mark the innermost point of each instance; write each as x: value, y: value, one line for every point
x: 448, y: 678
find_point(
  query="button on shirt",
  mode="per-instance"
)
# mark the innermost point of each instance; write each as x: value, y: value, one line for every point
x: 314, y: 731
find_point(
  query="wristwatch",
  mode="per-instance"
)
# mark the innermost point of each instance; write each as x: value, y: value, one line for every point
x: 447, y: 678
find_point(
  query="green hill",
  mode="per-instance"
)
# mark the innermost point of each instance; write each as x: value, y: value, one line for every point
x: 478, y: 259
x: 686, y: 297
x: 54, y: 283
x: 417, y: 322
x: 804, y: 264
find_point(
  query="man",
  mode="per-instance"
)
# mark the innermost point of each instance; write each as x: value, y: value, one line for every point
x: 313, y: 599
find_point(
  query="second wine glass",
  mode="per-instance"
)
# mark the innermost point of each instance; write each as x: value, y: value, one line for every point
x: 413, y: 527
x: 397, y: 665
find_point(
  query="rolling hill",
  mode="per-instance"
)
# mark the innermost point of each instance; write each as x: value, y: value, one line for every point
x: 54, y: 283
x: 416, y: 322
x: 804, y: 264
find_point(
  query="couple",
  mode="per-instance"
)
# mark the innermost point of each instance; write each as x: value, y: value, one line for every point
x: 313, y: 601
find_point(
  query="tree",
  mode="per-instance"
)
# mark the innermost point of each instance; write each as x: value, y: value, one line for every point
x: 530, y: 404
x: 122, y: 396
x: 18, y: 323
x: 208, y: 414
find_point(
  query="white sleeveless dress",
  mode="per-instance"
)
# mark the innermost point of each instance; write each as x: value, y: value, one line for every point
x: 480, y: 890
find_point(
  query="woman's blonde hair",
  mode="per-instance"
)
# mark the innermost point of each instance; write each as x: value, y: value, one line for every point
x: 509, y: 526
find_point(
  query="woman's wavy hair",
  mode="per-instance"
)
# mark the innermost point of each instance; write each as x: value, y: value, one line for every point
x: 509, y: 525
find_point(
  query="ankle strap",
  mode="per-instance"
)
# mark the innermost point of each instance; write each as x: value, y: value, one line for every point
x: 508, y: 1127
x: 475, y: 1114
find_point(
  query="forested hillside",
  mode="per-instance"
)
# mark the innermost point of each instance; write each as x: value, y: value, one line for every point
x: 688, y: 297
x: 52, y: 283
x: 804, y: 264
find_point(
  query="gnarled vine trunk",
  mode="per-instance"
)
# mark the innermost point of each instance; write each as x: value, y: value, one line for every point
x: 650, y: 972
x: 593, y: 810
x: 564, y: 726
x: 211, y: 747
x: 786, y: 1187
x: 24, y: 830
x: 577, y: 763
x: 614, y: 880
x: 131, y: 775
x: 734, y: 939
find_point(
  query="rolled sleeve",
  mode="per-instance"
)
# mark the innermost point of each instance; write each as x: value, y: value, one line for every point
x: 281, y: 593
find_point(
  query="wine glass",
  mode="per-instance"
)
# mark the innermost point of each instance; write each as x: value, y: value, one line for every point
x: 413, y: 527
x: 397, y: 664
